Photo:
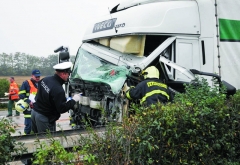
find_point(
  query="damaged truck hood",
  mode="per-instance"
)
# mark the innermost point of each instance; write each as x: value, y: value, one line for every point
x: 91, y: 68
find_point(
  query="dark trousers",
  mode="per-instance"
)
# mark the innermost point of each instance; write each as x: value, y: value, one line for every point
x: 10, y: 106
x: 27, y: 123
x: 40, y: 123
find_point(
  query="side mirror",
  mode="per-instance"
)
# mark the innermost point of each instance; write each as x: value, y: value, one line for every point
x: 63, y: 55
x: 194, y: 71
x: 231, y: 90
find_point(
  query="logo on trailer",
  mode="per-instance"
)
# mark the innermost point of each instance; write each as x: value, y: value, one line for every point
x: 104, y: 25
x: 120, y: 25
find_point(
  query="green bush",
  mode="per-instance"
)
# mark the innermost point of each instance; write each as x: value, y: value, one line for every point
x: 52, y: 153
x: 4, y: 86
x: 3, y: 105
x: 200, y: 127
x: 8, y: 145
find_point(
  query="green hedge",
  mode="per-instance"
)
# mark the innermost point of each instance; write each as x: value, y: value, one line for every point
x: 3, y: 106
x: 4, y: 86
x: 201, y: 126
x: 8, y: 144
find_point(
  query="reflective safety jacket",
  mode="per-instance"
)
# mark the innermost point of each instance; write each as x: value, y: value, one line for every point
x: 28, y: 92
x: 33, y: 91
x: 13, y: 91
x: 150, y: 91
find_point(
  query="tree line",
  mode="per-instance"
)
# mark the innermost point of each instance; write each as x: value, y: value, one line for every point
x: 21, y: 64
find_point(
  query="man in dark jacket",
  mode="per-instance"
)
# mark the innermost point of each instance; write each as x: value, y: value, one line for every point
x: 51, y: 101
x: 151, y: 90
x: 27, y: 93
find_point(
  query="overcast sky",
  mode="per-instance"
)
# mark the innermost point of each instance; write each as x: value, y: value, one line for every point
x: 39, y: 27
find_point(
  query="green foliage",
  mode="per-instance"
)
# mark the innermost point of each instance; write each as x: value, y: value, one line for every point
x: 112, y: 147
x: 200, y: 127
x: 4, y: 85
x: 52, y: 152
x: 3, y: 105
x: 8, y: 145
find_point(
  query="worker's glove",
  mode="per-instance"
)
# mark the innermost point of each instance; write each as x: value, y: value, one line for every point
x: 76, y: 97
x: 69, y: 98
x: 124, y: 90
x: 6, y: 94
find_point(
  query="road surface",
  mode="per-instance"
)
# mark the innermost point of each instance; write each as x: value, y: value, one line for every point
x: 18, y: 121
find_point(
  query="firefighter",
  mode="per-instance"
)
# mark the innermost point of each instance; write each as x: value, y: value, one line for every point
x: 27, y: 93
x: 51, y: 101
x: 151, y: 90
x: 12, y: 95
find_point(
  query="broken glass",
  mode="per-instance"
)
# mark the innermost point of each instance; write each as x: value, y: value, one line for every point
x: 89, y: 67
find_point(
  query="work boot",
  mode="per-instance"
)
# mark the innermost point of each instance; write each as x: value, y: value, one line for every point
x: 8, y: 115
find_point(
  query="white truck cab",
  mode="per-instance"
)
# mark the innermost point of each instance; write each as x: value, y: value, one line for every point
x: 181, y: 38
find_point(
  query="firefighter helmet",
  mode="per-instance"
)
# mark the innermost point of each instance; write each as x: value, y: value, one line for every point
x: 21, y: 105
x: 150, y: 72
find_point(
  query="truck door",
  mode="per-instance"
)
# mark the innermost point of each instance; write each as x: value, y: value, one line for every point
x: 176, y: 61
x: 187, y: 55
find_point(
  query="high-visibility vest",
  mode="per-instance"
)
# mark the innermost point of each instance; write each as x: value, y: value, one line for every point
x: 33, y: 91
x: 13, y: 91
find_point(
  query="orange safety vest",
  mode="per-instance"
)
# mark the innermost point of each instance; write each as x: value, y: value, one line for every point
x: 33, y: 90
x: 13, y: 91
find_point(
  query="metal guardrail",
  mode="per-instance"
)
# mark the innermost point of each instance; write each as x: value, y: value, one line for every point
x: 62, y: 136
x: 3, y: 100
x: 59, y: 133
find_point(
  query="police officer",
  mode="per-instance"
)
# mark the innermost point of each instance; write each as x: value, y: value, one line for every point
x: 27, y: 93
x: 51, y: 101
x: 151, y: 90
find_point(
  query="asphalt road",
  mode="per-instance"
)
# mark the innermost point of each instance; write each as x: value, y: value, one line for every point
x: 18, y: 121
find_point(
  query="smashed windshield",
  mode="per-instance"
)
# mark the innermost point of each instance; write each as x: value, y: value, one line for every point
x: 89, y: 67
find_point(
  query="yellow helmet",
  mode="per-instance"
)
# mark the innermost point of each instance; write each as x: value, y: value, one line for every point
x: 150, y: 72
x: 21, y: 106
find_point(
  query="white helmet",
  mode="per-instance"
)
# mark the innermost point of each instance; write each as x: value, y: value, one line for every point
x: 21, y: 106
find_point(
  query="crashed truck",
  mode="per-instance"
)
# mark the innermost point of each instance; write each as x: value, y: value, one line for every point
x: 182, y: 38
